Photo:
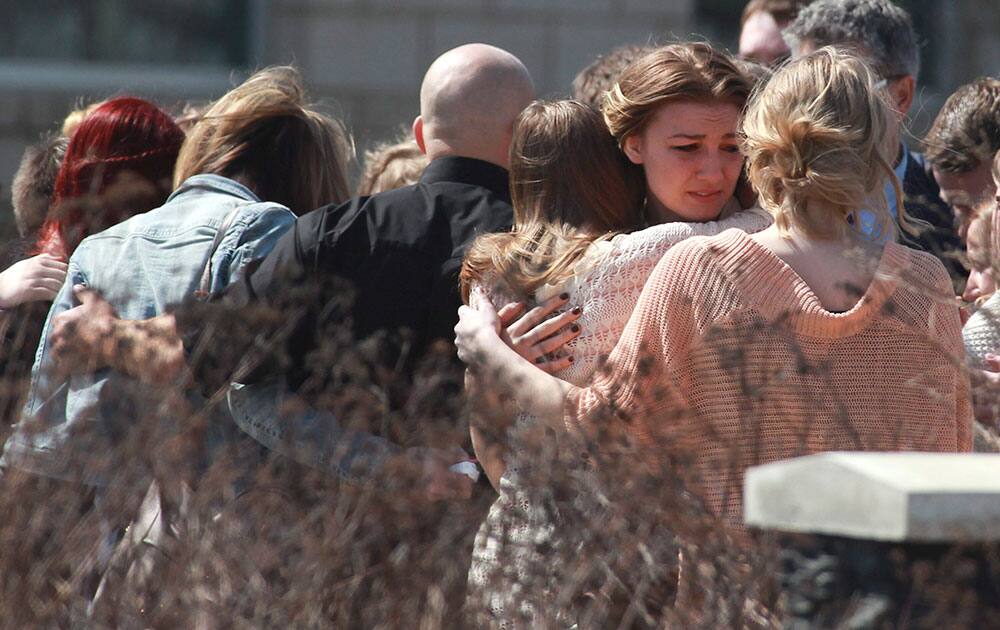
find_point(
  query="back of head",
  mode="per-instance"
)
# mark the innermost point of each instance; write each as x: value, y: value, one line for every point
x: 819, y: 141
x: 391, y: 165
x: 880, y: 28
x: 118, y: 163
x: 783, y: 11
x: 569, y: 185
x: 264, y: 134
x: 672, y: 74
x: 594, y: 81
x: 35, y: 182
x: 469, y: 99
x: 566, y: 170
x: 966, y: 133
x: 760, y: 30
x: 75, y: 117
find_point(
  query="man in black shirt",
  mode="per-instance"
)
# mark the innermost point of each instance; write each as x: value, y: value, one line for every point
x: 401, y: 250
x: 384, y: 267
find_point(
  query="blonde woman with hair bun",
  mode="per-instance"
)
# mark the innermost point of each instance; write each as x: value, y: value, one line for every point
x: 805, y: 337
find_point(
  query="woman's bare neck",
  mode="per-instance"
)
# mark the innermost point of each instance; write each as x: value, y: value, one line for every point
x: 838, y: 271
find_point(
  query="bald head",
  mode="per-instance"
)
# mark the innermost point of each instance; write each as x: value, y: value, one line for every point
x: 468, y: 102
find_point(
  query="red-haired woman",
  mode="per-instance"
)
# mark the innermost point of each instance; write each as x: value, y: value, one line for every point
x: 119, y: 162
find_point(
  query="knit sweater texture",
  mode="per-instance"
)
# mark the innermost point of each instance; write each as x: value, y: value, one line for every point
x: 729, y: 360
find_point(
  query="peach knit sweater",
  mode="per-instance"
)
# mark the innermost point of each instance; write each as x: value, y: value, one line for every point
x: 729, y: 360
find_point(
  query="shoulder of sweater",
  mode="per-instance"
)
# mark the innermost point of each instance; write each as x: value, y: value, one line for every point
x: 694, y: 257
x: 922, y: 267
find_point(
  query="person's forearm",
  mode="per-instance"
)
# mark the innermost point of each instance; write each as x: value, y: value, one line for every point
x: 532, y: 389
x: 489, y: 452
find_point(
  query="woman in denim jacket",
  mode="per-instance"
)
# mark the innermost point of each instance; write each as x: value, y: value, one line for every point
x: 117, y: 162
x: 257, y: 154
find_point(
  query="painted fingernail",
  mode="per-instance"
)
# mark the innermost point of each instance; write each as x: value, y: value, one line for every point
x: 571, y: 359
x: 576, y: 310
x: 574, y: 328
x: 539, y: 359
x: 564, y: 296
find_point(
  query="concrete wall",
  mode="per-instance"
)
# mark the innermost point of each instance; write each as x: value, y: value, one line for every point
x: 364, y: 59
x: 370, y: 55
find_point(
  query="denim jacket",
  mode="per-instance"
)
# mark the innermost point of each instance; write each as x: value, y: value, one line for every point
x: 141, y: 266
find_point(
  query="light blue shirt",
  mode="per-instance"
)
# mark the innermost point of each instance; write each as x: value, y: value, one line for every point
x: 141, y: 266
x: 867, y: 218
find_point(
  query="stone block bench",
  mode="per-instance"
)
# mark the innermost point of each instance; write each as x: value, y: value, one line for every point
x: 883, y: 540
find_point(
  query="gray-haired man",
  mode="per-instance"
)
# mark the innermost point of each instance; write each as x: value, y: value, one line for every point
x: 883, y: 32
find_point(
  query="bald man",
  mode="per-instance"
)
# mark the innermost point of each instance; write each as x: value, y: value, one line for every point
x: 402, y: 249
x: 469, y: 99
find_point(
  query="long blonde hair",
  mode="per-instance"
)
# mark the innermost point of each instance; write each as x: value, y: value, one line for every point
x: 264, y: 132
x: 570, y: 185
x: 821, y: 133
x: 393, y: 164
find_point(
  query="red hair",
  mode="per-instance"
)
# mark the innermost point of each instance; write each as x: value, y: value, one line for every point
x: 121, y: 136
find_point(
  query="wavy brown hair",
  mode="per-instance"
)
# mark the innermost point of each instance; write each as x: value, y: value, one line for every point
x: 672, y: 74
x: 570, y: 186
x: 966, y: 132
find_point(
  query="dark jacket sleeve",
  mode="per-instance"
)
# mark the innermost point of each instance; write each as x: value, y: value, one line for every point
x: 937, y: 234
x: 262, y: 326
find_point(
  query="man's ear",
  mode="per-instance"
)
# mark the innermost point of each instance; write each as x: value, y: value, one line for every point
x: 903, y: 91
x: 633, y: 148
x: 418, y: 133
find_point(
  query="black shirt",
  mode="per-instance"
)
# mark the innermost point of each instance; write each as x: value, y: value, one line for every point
x: 387, y: 264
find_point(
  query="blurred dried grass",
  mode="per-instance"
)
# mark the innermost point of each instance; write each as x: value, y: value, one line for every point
x: 260, y: 541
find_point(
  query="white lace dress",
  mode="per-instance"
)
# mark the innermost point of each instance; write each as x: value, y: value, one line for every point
x: 981, y: 335
x: 509, y: 559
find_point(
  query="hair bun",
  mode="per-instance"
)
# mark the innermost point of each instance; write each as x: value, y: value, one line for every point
x: 819, y: 135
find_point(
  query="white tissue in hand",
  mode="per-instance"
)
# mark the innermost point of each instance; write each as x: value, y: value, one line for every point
x: 469, y: 469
